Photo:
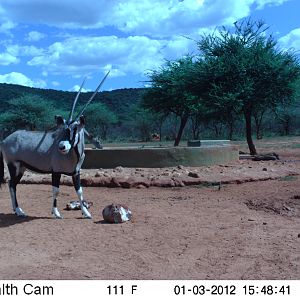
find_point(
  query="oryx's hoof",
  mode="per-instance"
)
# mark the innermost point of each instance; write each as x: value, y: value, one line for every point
x: 56, y: 214
x: 86, y: 214
x: 19, y: 212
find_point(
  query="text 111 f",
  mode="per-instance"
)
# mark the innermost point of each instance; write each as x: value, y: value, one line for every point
x: 119, y: 289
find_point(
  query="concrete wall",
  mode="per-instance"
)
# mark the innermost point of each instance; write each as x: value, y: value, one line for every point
x: 159, y: 157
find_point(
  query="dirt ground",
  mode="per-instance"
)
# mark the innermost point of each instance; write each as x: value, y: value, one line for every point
x: 249, y: 230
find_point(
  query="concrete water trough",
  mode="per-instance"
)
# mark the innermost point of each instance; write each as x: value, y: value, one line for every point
x: 209, y: 153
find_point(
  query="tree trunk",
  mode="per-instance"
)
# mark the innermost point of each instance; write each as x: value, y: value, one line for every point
x: 286, y: 126
x: 104, y: 132
x: 258, y: 125
x: 258, y: 133
x: 173, y: 127
x: 196, y: 132
x: 218, y: 129
x: 160, y: 126
x: 160, y: 132
x: 195, y: 127
x: 249, y: 133
x: 230, y: 130
x: 183, y: 121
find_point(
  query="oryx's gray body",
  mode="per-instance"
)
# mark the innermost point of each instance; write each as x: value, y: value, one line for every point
x: 57, y: 152
x: 20, y: 146
x: 60, y: 151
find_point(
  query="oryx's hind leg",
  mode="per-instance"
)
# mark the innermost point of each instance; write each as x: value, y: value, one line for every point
x: 16, y: 171
x: 78, y: 189
x: 55, y: 192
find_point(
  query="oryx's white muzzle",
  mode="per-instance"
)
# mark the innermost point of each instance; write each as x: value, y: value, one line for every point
x: 64, y: 147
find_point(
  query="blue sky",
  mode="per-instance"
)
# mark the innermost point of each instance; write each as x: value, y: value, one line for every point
x: 54, y: 44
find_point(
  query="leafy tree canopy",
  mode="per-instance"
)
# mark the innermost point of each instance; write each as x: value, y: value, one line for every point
x: 245, y: 71
x: 28, y: 112
x: 99, y: 118
x: 169, y: 92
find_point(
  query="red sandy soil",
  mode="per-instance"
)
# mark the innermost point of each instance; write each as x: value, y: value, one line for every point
x: 249, y: 230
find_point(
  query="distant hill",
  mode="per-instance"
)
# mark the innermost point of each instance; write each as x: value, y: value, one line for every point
x: 119, y: 101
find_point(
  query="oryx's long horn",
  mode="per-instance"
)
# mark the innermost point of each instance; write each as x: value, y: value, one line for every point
x: 90, y: 100
x: 75, y: 101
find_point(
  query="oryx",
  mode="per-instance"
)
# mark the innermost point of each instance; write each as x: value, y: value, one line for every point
x: 58, y: 151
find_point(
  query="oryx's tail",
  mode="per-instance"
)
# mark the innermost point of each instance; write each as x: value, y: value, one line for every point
x: 1, y: 168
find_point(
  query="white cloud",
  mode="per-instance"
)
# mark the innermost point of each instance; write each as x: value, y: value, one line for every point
x: 14, y: 52
x: 178, y: 46
x: 21, y: 79
x: 291, y: 40
x: 17, y: 50
x: 55, y: 83
x: 7, y: 59
x: 154, y: 17
x: 262, y: 3
x: 166, y: 18
x: 114, y: 72
x: 66, y: 13
x: 34, y: 36
x: 76, y: 88
x: 6, y: 26
x: 134, y: 54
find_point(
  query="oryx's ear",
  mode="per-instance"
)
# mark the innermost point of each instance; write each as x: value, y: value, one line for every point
x: 82, y: 121
x: 59, y: 120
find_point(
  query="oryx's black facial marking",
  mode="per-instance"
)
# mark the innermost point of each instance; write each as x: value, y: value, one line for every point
x: 70, y: 138
x: 68, y: 134
x: 73, y: 137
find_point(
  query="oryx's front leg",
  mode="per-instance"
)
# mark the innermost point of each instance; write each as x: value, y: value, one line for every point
x: 55, y: 192
x: 16, y: 171
x: 78, y: 189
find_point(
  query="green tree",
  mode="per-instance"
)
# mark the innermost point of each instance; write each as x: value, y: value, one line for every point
x: 169, y: 92
x: 99, y: 118
x: 30, y: 112
x: 285, y: 115
x: 142, y: 122
x: 246, y: 72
